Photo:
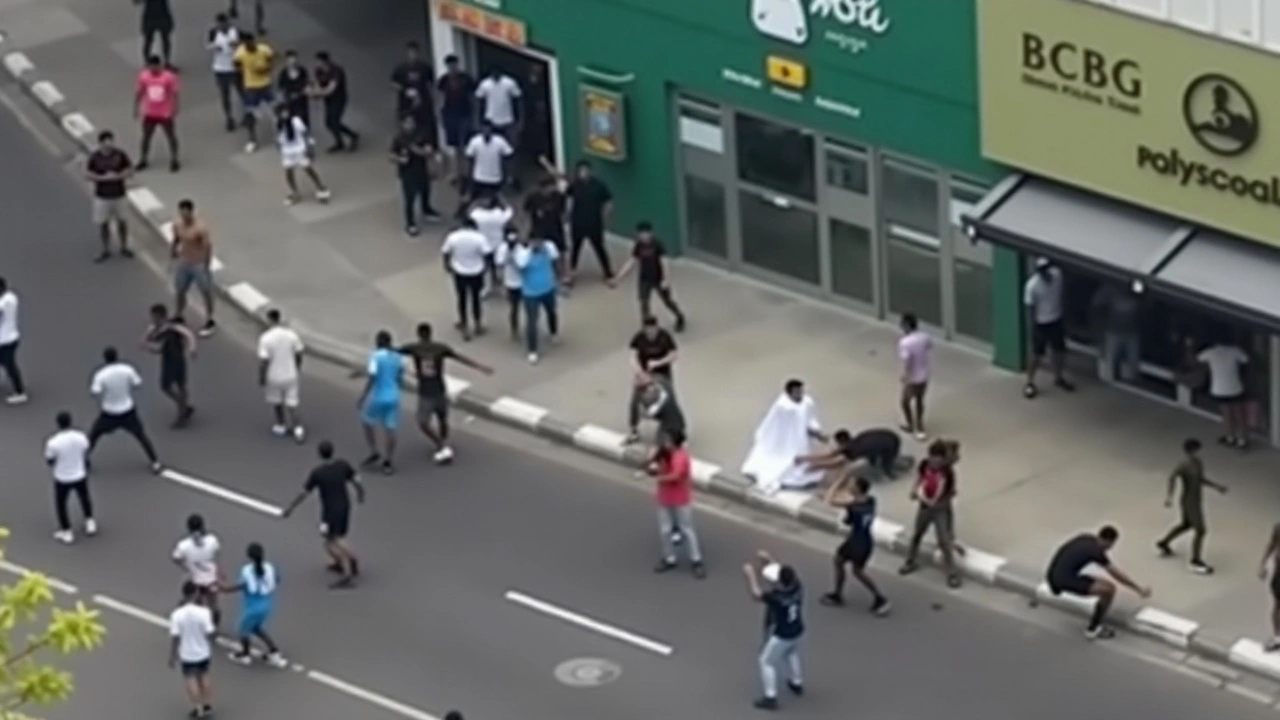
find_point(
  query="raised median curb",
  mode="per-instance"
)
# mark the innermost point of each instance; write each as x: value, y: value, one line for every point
x: 1182, y: 633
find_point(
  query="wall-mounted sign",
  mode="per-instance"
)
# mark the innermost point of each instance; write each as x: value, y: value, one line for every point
x: 786, y: 72
x: 490, y: 26
x: 848, y: 24
x: 604, y: 123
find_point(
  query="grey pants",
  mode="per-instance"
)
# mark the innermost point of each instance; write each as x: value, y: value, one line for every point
x: 678, y: 519
x: 774, y: 653
x: 942, y: 519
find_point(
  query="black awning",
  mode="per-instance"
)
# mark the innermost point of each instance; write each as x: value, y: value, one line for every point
x: 1231, y: 275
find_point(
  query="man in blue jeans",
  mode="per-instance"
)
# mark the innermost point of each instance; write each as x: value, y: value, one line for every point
x: 379, y: 403
x: 539, y: 263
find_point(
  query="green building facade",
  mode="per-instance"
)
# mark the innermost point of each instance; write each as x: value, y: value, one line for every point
x: 828, y: 146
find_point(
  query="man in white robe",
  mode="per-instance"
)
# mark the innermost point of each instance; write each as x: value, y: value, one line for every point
x: 784, y: 435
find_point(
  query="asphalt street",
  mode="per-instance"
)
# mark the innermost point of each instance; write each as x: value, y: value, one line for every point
x: 433, y: 625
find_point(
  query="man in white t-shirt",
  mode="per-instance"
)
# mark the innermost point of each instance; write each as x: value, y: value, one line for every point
x: 67, y: 452
x: 466, y: 257
x: 914, y: 348
x: 9, y: 337
x: 500, y: 95
x: 197, y: 554
x: 505, y: 260
x: 222, y: 42
x: 492, y: 216
x: 1225, y: 361
x: 191, y: 633
x: 488, y: 152
x: 1042, y: 296
x: 280, y: 359
x: 113, y: 385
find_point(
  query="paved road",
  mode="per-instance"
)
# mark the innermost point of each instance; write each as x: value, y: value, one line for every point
x: 430, y: 626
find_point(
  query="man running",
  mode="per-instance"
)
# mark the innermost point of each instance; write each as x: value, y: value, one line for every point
x: 257, y: 581
x: 779, y: 588
x: 169, y: 338
x: 67, y: 452
x: 280, y: 362
x: 191, y: 633
x: 855, y: 552
x: 329, y: 480
x: 1271, y: 557
x: 1066, y: 575
x: 9, y: 338
x: 1191, y: 472
x: 197, y: 554
x: 113, y: 385
x: 428, y: 357
x: 379, y: 402
x: 192, y: 254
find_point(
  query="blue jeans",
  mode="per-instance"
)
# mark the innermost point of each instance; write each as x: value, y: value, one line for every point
x: 1121, y: 353
x: 532, y: 307
x: 777, y: 651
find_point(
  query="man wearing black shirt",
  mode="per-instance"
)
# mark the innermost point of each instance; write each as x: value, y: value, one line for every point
x: 413, y: 73
x: 654, y: 354
x: 545, y: 207
x: 411, y: 154
x: 778, y: 587
x: 428, y: 357
x: 647, y: 258
x: 457, y: 91
x: 879, y: 447
x: 331, y: 87
x: 174, y: 343
x: 109, y: 168
x: 330, y: 480
x: 157, y: 22
x: 591, y: 203
x: 294, y: 82
x: 1066, y: 575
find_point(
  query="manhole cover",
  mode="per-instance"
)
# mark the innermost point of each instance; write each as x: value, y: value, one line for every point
x: 587, y: 672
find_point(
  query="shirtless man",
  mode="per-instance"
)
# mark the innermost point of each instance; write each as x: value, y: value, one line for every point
x: 192, y: 255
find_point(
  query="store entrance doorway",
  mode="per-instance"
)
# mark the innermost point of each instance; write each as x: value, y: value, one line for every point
x: 536, y: 130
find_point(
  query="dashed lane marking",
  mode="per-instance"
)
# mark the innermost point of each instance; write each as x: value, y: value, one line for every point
x: 222, y: 493
x: 587, y: 623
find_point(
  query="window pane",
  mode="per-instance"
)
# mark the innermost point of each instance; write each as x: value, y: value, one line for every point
x: 776, y: 157
x: 779, y: 239
x: 847, y: 172
x: 851, y: 261
x: 705, y: 210
x: 914, y: 280
x: 973, y: 300
x: 910, y: 199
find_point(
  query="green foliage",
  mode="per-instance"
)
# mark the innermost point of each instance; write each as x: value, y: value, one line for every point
x: 34, y: 633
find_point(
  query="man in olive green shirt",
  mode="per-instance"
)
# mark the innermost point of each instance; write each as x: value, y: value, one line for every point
x: 1191, y: 472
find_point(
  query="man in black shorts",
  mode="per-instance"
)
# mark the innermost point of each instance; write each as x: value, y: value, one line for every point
x: 1043, y: 298
x: 879, y: 447
x: 169, y: 338
x: 329, y: 480
x: 855, y: 552
x: 1066, y: 575
x: 428, y: 358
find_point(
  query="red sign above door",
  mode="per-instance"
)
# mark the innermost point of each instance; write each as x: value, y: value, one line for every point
x: 490, y: 26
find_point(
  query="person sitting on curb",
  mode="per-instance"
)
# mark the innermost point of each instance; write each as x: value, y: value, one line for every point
x: 1066, y: 576
x: 658, y: 403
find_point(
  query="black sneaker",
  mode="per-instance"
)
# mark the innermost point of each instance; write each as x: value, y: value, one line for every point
x: 664, y: 566
x: 699, y: 571
x: 126, y: 252
x: 388, y: 468
x: 333, y: 567
x: 174, y: 166
x: 355, y: 567
x: 766, y: 703
x: 908, y: 568
x: 373, y: 459
x: 1101, y: 632
x: 432, y: 216
x: 343, y: 583
x: 1163, y: 548
x: 680, y: 324
x: 796, y: 688
x: 336, y: 148
x: 1063, y: 385
x: 880, y: 606
x: 832, y: 600
x: 142, y: 165
x: 209, y: 328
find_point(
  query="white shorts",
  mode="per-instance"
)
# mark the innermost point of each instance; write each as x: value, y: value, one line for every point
x: 282, y: 393
x: 291, y: 158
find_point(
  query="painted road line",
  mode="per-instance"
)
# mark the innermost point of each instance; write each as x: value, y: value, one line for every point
x: 220, y: 492
x: 587, y: 623
x: 248, y: 297
x: 369, y: 696
x: 54, y: 582
x: 132, y: 611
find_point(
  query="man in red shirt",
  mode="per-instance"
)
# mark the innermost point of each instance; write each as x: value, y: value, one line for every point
x: 156, y: 101
x: 934, y: 491
x: 673, y: 469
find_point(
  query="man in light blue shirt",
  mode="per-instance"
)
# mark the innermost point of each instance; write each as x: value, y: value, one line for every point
x: 538, y: 261
x: 380, y: 401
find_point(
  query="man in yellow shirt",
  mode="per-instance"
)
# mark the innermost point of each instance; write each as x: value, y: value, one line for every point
x: 255, y: 61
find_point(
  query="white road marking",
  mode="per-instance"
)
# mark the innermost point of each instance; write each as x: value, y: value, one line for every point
x: 587, y: 623
x: 54, y: 582
x: 132, y: 611
x: 220, y: 492
x: 248, y: 297
x: 368, y: 696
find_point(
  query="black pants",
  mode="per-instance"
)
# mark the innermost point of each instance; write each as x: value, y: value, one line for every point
x: 167, y: 127
x: 228, y: 83
x: 9, y: 364
x: 342, y: 135
x: 646, y: 289
x: 129, y: 422
x: 62, y: 492
x: 415, y: 189
x: 157, y: 28
x: 259, y: 16
x: 940, y: 517
x: 300, y: 107
x: 594, y: 235
x: 468, y: 289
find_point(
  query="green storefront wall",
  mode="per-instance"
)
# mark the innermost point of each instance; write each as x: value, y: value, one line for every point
x: 913, y: 85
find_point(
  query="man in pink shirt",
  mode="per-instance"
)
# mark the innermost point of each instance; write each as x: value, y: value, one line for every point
x: 156, y: 101
x: 913, y: 352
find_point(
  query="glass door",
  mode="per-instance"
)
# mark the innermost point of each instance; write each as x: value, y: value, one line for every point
x: 849, y: 211
x: 910, y: 198
x: 705, y: 167
x: 971, y: 315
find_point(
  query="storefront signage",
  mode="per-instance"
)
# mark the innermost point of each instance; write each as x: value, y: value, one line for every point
x: 604, y: 123
x: 1172, y: 120
x: 848, y: 24
x: 490, y: 26
x: 786, y: 72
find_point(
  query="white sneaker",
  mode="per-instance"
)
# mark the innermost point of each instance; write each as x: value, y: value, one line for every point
x: 299, y: 433
x: 240, y: 658
x: 16, y: 399
x: 323, y: 196
x: 66, y: 537
x: 276, y: 660
x: 443, y: 455
x: 533, y: 358
x: 90, y: 526
x: 251, y: 147
x: 279, y: 430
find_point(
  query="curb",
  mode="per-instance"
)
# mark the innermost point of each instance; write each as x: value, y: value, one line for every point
x: 976, y: 565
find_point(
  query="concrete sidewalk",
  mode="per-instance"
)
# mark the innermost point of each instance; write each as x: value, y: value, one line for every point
x: 1033, y: 473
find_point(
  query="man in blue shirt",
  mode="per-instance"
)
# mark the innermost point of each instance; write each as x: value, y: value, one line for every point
x: 380, y: 401
x: 779, y: 588
x: 538, y: 261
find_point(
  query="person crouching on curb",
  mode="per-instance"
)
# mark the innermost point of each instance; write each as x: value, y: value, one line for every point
x: 673, y: 469
x: 934, y: 490
x: 657, y: 401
